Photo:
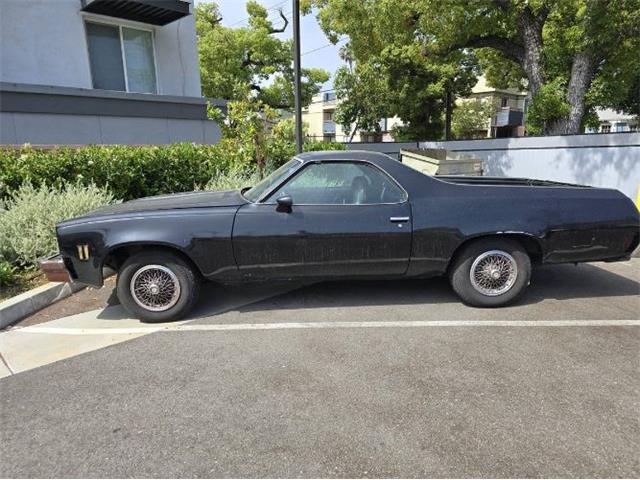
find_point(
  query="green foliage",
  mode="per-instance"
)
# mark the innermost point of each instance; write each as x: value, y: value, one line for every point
x: 128, y: 172
x: 422, y: 47
x: 471, y: 118
x: 27, y: 223
x: 547, y: 106
x: 263, y: 138
x: 392, y: 68
x: 251, y: 61
x: 7, y: 273
x: 319, y: 146
x: 363, y: 94
x: 232, y: 180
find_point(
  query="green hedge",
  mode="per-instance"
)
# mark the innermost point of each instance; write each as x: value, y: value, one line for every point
x: 133, y: 172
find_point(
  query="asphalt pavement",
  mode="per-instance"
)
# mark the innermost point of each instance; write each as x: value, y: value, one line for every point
x: 348, y: 379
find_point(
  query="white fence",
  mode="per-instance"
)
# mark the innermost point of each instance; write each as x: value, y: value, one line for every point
x: 602, y: 160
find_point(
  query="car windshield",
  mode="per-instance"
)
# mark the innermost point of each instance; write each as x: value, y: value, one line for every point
x: 272, y: 181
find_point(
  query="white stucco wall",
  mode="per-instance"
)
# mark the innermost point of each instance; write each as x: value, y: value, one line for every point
x: 177, y: 58
x: 43, y: 42
x: 606, y: 160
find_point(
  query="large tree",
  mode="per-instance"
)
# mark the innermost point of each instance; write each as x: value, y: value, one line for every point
x: 388, y: 71
x: 252, y: 58
x: 573, y: 55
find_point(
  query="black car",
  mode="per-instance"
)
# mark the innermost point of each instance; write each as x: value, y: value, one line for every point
x: 330, y: 215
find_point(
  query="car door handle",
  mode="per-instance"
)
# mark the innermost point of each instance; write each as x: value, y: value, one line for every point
x: 398, y: 219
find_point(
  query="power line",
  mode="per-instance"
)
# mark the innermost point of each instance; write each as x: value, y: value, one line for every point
x: 272, y: 7
x: 323, y: 46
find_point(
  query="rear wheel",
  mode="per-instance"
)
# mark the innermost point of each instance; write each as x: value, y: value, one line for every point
x: 157, y: 286
x: 491, y: 272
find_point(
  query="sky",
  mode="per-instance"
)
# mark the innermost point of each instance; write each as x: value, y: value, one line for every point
x: 314, y: 46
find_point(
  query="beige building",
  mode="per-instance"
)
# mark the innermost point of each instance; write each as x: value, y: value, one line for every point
x: 510, y: 104
x: 321, y: 125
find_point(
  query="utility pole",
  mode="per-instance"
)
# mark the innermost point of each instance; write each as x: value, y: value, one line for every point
x: 448, y: 112
x: 296, y: 73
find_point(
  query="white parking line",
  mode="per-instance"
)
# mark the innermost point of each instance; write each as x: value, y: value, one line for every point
x: 321, y: 325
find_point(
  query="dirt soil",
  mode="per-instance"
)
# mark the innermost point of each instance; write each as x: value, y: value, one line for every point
x: 82, y: 301
x: 24, y: 283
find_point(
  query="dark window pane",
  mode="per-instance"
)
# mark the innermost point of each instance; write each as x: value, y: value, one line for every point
x: 105, y: 56
x: 340, y: 183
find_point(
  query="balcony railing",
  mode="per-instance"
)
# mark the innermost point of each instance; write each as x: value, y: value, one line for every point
x: 507, y: 117
x: 329, y: 127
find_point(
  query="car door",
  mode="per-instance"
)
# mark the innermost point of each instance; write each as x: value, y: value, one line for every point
x: 347, y: 218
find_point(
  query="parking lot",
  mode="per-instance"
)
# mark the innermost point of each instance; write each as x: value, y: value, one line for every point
x: 346, y: 379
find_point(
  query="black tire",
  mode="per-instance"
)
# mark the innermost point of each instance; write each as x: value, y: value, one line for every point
x: 182, y: 297
x: 460, y: 272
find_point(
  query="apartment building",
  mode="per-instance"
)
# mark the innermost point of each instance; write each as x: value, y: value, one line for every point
x: 321, y: 125
x: 77, y: 72
x: 510, y: 108
x: 615, y: 122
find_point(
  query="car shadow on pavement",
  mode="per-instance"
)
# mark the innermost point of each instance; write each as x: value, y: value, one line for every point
x: 558, y: 282
x: 563, y: 282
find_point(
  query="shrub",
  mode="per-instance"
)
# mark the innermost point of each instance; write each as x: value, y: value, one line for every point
x: 27, y: 222
x: 129, y: 172
x: 7, y: 273
x: 133, y: 172
x: 232, y: 180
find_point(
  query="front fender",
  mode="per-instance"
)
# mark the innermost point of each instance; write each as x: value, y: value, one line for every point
x: 203, y: 235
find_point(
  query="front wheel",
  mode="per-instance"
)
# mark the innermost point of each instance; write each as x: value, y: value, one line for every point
x: 491, y: 272
x: 157, y: 286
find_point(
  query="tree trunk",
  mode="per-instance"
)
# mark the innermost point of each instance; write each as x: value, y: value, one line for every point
x: 353, y: 133
x: 448, y: 113
x: 530, y: 30
x: 582, y: 72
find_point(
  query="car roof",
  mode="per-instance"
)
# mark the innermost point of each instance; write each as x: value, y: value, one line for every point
x: 346, y: 155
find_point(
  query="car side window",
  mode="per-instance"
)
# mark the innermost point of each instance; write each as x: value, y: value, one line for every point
x: 340, y: 183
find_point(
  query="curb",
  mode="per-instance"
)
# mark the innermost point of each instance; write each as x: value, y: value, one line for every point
x: 23, y: 305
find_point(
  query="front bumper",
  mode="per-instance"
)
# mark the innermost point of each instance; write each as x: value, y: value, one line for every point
x: 55, y: 270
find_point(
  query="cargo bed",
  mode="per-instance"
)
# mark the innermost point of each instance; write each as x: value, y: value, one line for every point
x: 505, y: 181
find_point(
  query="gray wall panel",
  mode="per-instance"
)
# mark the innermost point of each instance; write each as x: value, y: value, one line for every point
x: 7, y: 129
x: 185, y: 131
x: 132, y: 131
x: 48, y: 128
x: 212, y: 132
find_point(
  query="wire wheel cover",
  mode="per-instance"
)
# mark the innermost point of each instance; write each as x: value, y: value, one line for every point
x: 493, y: 273
x: 155, y: 288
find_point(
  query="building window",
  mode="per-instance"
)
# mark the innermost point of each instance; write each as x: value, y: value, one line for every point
x: 605, y: 128
x: 121, y: 58
x: 504, y: 102
x: 621, y: 127
x: 329, y: 96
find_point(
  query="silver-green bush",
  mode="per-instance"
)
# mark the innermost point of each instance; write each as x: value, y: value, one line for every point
x: 232, y: 180
x: 29, y: 215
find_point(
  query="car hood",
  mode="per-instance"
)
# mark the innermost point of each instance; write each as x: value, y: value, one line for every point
x: 229, y: 198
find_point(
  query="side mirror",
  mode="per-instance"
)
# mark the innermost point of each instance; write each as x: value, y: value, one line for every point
x: 284, y: 203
